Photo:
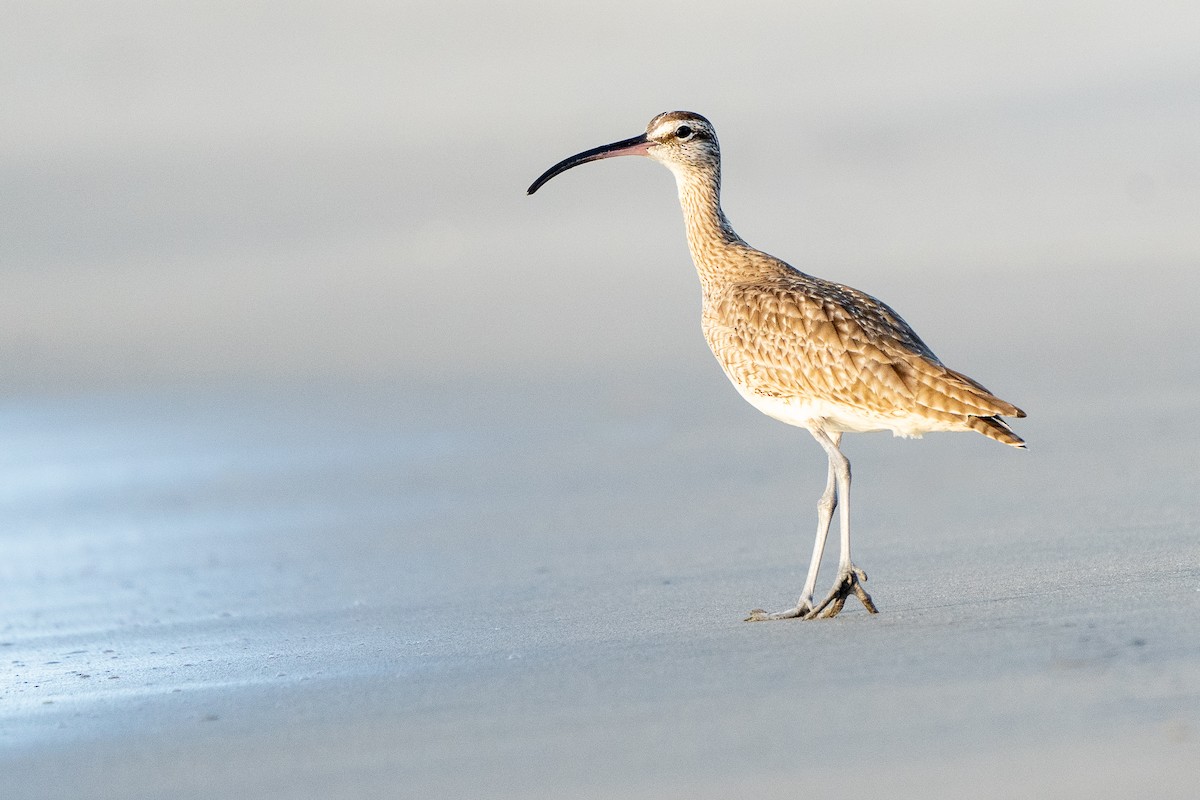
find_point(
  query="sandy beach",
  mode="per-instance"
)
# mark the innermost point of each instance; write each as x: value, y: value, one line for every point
x: 333, y: 466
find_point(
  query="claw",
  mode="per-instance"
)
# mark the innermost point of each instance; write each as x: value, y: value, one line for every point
x: 849, y: 580
x: 801, y: 611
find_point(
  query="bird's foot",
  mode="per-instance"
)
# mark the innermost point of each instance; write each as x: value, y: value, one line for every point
x: 801, y: 611
x: 850, y: 579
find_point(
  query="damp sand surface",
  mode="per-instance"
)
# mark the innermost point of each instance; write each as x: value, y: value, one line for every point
x: 523, y: 589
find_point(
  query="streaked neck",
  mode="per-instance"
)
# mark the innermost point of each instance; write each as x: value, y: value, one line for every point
x: 720, y: 255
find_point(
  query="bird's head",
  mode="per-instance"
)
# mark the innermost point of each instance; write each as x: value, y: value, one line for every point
x: 681, y: 140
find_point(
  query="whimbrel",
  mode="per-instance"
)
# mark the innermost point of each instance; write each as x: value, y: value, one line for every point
x: 803, y: 350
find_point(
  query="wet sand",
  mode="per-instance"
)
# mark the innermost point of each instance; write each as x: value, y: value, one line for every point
x: 537, y: 591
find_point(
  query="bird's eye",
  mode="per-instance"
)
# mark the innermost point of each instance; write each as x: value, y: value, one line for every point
x: 683, y: 132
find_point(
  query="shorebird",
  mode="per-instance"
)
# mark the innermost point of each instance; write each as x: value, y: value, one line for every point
x: 804, y: 350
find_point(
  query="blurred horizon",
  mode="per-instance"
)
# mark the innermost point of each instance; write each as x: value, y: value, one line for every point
x: 201, y: 193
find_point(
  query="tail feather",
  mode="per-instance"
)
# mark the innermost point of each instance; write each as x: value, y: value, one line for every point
x: 996, y: 428
x: 1001, y: 407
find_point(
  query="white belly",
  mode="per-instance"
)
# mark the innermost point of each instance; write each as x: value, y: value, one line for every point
x: 833, y: 417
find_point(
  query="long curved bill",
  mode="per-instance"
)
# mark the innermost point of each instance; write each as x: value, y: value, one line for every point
x: 637, y: 146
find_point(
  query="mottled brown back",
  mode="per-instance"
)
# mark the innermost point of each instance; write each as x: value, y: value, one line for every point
x: 793, y: 336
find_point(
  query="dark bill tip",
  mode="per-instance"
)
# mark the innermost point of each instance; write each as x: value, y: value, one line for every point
x: 637, y: 146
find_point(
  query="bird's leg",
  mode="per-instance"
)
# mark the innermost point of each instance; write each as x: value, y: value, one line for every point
x: 825, y: 507
x: 850, y: 578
